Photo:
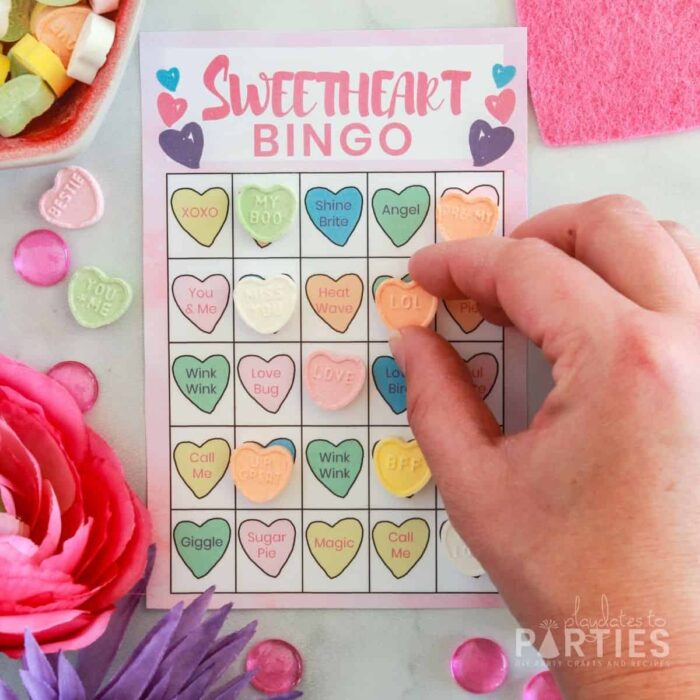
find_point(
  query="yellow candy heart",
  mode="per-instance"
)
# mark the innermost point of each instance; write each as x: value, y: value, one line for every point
x: 334, y: 546
x: 203, y: 466
x: 401, y: 547
x: 203, y: 215
x: 400, y: 466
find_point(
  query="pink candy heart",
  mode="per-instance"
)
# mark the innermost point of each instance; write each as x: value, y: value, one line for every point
x: 334, y: 381
x: 502, y: 105
x: 74, y: 201
x: 202, y: 302
x: 171, y: 109
x: 268, y: 382
x: 268, y: 546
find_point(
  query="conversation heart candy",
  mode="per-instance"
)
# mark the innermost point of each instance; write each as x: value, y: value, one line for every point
x: 401, y: 214
x: 91, y: 48
x: 265, y: 304
x: 4, y: 68
x: 261, y: 473
x: 201, y: 215
x: 334, y: 547
x: 335, y: 301
x: 96, y: 300
x: 202, y: 382
x: 333, y: 381
x: 401, y: 304
x: 31, y: 56
x: 5, y: 8
x: 460, y: 216
x: 266, y: 213
x: 390, y: 382
x: 102, y: 7
x: 401, y: 547
x: 202, y: 302
x: 400, y: 466
x: 17, y: 20
x: 59, y: 29
x: 383, y: 278
x: 458, y: 552
x: 465, y: 313
x: 203, y: 466
x: 483, y: 369
x: 75, y: 200
x: 268, y: 546
x: 59, y: 3
x: 267, y: 382
x: 334, y: 214
x: 201, y: 547
x: 336, y: 466
x: 21, y: 100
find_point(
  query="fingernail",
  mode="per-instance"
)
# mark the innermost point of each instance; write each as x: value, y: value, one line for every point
x: 398, y: 351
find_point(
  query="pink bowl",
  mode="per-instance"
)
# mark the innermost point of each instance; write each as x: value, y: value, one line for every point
x: 71, y: 124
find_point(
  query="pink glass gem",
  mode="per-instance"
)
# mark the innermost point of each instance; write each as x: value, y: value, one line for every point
x: 542, y: 687
x: 479, y: 665
x: 79, y: 380
x: 278, y: 665
x: 41, y: 258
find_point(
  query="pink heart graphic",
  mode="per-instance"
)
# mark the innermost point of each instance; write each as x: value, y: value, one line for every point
x: 74, y: 201
x: 202, y: 302
x: 483, y: 369
x: 171, y: 109
x: 502, y: 105
x: 268, y: 546
x: 267, y: 382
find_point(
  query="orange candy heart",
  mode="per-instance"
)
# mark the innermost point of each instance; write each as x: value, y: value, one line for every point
x: 59, y: 29
x: 261, y: 473
x: 460, y: 216
x: 401, y: 304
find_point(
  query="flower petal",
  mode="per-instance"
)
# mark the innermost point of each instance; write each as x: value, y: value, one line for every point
x: 72, y: 551
x: 69, y: 685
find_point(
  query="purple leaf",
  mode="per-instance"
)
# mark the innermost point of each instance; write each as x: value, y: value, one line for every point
x: 227, y: 650
x: 195, y: 690
x: 94, y: 661
x: 69, y: 684
x: 35, y: 663
x: 133, y: 678
x: 6, y: 693
x: 192, y: 615
x: 233, y: 688
x: 36, y: 688
x: 181, y: 661
x: 160, y: 690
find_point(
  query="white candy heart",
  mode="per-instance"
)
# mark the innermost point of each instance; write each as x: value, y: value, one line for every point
x: 102, y: 7
x: 265, y: 304
x: 90, y: 53
x: 458, y: 552
x: 5, y: 7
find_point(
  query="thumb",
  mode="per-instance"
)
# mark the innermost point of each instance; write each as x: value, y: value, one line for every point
x: 456, y: 431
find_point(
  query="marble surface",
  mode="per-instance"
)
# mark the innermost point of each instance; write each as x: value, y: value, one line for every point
x: 350, y: 655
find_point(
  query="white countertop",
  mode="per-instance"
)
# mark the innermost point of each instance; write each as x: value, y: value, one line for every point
x: 349, y: 655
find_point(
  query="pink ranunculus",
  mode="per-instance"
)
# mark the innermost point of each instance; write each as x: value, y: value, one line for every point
x: 73, y: 536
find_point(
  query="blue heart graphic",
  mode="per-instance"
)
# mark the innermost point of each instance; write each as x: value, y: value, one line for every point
x: 334, y: 214
x: 390, y: 382
x: 502, y: 75
x: 169, y: 79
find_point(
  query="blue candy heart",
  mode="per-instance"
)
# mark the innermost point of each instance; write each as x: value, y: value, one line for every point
x: 502, y: 75
x: 169, y: 79
x: 390, y: 382
x: 334, y: 214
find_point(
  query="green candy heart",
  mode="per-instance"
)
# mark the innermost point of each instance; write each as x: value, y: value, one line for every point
x: 203, y: 382
x: 384, y: 278
x: 401, y: 214
x: 95, y: 299
x: 266, y: 213
x: 18, y: 21
x: 202, y: 546
x: 335, y: 466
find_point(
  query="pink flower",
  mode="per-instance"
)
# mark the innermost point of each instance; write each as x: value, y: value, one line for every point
x: 73, y: 536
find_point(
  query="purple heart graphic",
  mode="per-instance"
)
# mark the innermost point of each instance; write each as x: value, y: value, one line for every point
x: 184, y: 146
x: 487, y: 144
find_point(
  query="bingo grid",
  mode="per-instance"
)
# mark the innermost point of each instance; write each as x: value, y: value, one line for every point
x: 304, y: 252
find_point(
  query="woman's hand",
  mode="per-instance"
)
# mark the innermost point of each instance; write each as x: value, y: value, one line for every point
x: 601, y: 495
